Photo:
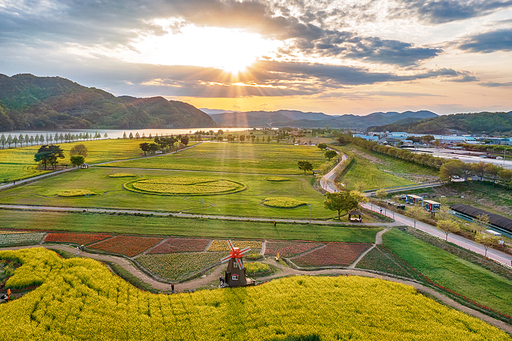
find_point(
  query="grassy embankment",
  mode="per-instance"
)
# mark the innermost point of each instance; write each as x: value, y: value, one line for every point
x: 83, y: 222
x: 371, y: 170
x: 452, y: 272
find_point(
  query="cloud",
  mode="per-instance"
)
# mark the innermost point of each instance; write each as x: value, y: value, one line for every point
x: 444, y: 11
x: 496, y: 85
x: 308, y: 27
x: 499, y: 40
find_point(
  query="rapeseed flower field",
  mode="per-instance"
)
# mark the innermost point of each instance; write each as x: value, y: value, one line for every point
x: 80, y: 299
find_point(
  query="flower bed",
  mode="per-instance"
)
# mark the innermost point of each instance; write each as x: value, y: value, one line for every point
x: 222, y: 245
x: 189, y: 185
x: 277, y: 178
x: 22, y: 238
x: 179, y: 266
x: 75, y: 193
x: 289, y: 249
x: 126, y: 245
x: 76, y: 238
x: 257, y: 268
x: 172, y: 245
x: 333, y: 254
x: 121, y: 175
x: 283, y: 202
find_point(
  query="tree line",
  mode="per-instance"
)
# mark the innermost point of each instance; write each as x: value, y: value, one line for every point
x: 48, y: 138
x: 448, y: 169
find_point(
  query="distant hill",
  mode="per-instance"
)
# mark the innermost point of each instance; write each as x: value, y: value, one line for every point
x: 497, y: 123
x: 30, y: 102
x: 291, y: 118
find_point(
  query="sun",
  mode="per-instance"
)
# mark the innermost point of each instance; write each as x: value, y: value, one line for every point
x: 230, y: 50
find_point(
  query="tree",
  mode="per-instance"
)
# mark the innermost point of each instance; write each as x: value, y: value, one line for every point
x: 305, y: 166
x: 450, y: 169
x: 153, y: 147
x: 145, y: 147
x: 79, y: 149
x: 381, y: 194
x: 416, y: 213
x: 124, y: 135
x: 48, y: 154
x: 343, y: 201
x: 478, y: 168
x: 77, y: 160
x: 105, y: 136
x: 447, y: 226
x: 330, y: 154
x: 185, y: 140
x: 130, y: 136
x: 322, y: 146
x: 487, y: 241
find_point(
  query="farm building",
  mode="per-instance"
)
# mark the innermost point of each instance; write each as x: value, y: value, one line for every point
x: 471, y: 213
x: 431, y: 206
x: 413, y: 199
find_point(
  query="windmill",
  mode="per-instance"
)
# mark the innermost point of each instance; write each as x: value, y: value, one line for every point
x: 235, y: 273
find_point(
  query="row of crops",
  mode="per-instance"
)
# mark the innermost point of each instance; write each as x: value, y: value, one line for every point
x: 80, y: 299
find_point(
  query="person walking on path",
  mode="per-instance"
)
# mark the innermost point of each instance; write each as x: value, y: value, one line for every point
x: 77, y: 250
x: 172, y: 288
x: 275, y: 223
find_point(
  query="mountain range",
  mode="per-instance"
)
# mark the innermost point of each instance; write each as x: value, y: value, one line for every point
x: 292, y: 118
x: 30, y: 102
x: 490, y: 123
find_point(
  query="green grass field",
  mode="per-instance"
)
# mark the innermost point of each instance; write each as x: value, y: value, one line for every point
x: 452, y: 272
x: 18, y: 163
x: 111, y: 194
x: 235, y: 158
x: 374, y: 170
x: 364, y: 172
x: 88, y: 222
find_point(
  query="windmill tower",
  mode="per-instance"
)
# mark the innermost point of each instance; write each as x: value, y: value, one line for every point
x: 235, y: 273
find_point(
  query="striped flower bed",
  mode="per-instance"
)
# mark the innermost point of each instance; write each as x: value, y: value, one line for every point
x: 76, y: 238
x: 173, y: 245
x: 126, y: 245
x: 333, y: 254
x: 22, y: 238
x: 289, y: 249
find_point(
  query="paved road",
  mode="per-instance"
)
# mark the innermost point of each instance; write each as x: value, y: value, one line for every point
x: 400, y: 219
x: 327, y: 182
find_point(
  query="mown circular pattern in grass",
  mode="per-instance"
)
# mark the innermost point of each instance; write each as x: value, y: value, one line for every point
x: 277, y: 179
x: 75, y: 193
x: 122, y: 175
x: 188, y: 185
x: 283, y: 202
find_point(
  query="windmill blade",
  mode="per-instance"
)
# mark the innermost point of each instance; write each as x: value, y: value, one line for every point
x: 239, y: 262
x: 244, y: 250
x: 231, y: 245
x: 225, y: 259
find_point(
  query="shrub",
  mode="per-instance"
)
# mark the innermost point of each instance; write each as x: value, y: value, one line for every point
x: 283, y: 202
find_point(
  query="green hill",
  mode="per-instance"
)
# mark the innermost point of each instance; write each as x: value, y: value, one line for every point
x: 491, y: 123
x: 30, y: 102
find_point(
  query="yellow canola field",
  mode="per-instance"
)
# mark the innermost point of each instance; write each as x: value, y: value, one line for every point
x: 80, y: 299
x: 185, y: 186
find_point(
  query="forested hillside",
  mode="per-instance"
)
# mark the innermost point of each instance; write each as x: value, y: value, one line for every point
x: 498, y: 123
x: 30, y: 102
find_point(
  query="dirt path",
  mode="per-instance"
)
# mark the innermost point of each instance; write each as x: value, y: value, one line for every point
x: 283, y: 272
x: 378, y: 241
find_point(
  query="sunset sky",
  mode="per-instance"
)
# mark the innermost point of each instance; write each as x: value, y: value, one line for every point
x: 336, y: 57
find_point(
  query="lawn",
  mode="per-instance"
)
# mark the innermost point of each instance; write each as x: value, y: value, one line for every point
x: 259, y: 158
x: 374, y: 170
x: 364, y: 172
x: 454, y: 273
x: 111, y: 194
x: 18, y: 163
x: 82, y: 299
x: 161, y: 226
